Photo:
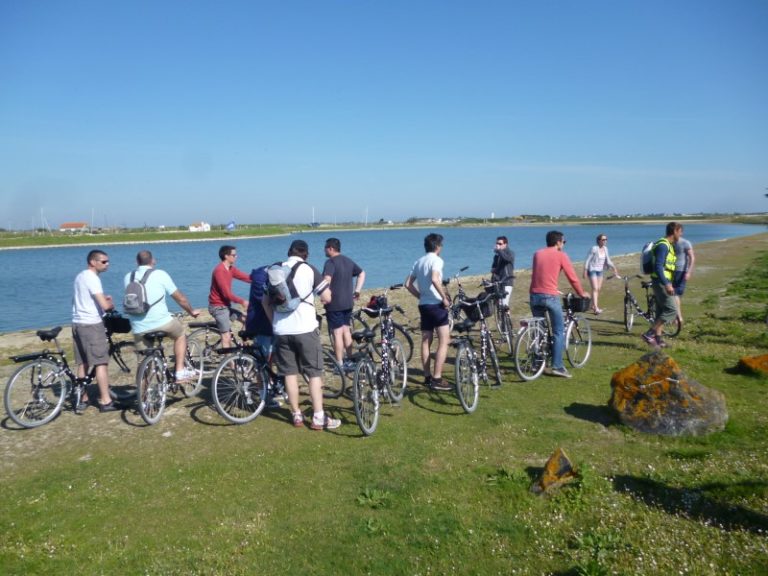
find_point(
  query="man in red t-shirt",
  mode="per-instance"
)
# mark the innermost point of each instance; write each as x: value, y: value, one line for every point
x: 221, y: 297
x: 545, y: 297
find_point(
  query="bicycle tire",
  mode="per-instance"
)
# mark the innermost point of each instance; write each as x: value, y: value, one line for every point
x: 578, y: 340
x: 398, y: 371
x: 203, y: 343
x: 506, y: 331
x: 669, y: 329
x: 629, y: 314
x: 193, y: 358
x: 401, y: 333
x: 151, y: 389
x: 530, y: 352
x: 366, y: 396
x: 494, y: 361
x: 239, y: 389
x: 334, y: 380
x: 466, y: 379
x: 35, y: 393
x: 123, y: 364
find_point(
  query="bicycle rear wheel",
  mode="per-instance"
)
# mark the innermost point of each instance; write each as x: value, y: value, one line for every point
x: 670, y: 329
x: 151, y: 389
x: 35, y: 393
x: 239, y: 388
x: 398, y: 371
x: 466, y: 378
x: 578, y: 341
x: 366, y: 396
x: 334, y: 380
x: 530, y: 352
x: 629, y: 314
x: 203, y: 344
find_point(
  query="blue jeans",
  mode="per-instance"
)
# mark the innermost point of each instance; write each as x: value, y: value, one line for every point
x: 547, y: 304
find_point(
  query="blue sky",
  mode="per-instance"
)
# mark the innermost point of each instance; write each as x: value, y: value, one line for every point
x: 159, y: 112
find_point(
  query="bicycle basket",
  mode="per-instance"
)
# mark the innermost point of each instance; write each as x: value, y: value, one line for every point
x: 375, y: 304
x: 117, y: 324
x: 473, y: 313
x: 577, y: 303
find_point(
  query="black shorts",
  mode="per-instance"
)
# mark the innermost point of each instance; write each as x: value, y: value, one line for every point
x: 338, y: 318
x: 433, y: 316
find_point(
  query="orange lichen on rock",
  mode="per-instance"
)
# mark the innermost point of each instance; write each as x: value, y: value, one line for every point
x: 654, y: 395
x: 754, y: 365
x: 557, y: 471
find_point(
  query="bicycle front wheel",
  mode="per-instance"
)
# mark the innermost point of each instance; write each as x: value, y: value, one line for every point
x: 578, y: 340
x: 467, y: 382
x: 123, y: 364
x: 151, y: 389
x: 366, y: 396
x: 629, y: 314
x: 398, y: 370
x: 530, y: 352
x: 334, y: 380
x: 239, y: 388
x: 672, y: 329
x: 194, y: 361
x: 504, y: 326
x: 203, y: 344
x: 35, y: 393
x: 494, y: 360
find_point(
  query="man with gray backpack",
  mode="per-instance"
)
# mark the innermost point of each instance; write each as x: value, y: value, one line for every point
x: 289, y: 300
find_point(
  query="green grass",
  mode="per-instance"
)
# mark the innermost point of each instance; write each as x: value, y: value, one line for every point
x: 433, y: 491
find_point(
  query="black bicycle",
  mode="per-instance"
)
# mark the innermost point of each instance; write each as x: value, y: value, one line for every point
x: 399, y: 331
x: 471, y: 364
x: 36, y: 391
x: 372, y: 384
x: 632, y: 307
x: 504, y: 324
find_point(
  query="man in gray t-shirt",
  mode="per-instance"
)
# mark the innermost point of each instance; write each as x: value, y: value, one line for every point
x: 683, y: 270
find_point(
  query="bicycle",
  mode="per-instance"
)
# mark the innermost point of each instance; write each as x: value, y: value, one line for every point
x: 471, y: 366
x: 204, y: 341
x: 632, y: 307
x: 501, y: 313
x: 399, y: 331
x: 388, y: 380
x: 36, y: 391
x: 156, y: 378
x: 454, y: 313
x: 533, y: 349
x: 243, y: 383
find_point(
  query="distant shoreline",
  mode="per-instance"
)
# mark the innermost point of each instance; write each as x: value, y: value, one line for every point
x: 226, y: 237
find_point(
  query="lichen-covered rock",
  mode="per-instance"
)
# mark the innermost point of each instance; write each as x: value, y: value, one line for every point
x: 653, y: 395
x: 754, y: 365
x: 557, y: 471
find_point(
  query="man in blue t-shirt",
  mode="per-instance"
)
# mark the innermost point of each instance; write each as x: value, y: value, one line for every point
x: 340, y: 271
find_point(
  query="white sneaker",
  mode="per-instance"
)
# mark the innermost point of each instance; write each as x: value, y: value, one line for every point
x: 562, y: 372
x: 328, y: 423
x: 186, y: 374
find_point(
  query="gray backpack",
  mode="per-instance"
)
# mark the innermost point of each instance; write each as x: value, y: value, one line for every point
x: 135, y: 300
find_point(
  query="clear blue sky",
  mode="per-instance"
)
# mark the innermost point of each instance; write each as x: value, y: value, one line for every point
x: 164, y: 112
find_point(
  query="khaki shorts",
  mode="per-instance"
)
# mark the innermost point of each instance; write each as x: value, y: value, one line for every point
x: 174, y: 329
x: 299, y: 354
x: 91, y: 346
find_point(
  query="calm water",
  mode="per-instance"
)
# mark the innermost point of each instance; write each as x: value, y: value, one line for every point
x: 37, y: 289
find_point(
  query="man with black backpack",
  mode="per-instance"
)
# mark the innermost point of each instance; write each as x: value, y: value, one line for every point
x: 157, y: 285
x: 289, y: 301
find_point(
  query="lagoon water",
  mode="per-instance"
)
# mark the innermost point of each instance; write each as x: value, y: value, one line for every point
x: 36, y: 291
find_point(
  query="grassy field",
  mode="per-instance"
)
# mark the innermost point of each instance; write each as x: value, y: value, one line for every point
x: 433, y: 491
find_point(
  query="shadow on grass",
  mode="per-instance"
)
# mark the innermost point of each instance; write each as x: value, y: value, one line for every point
x: 591, y: 413
x: 699, y: 503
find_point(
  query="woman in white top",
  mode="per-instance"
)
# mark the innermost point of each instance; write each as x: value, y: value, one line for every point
x: 597, y: 261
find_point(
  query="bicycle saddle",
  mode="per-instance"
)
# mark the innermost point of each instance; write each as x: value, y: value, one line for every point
x: 48, y: 335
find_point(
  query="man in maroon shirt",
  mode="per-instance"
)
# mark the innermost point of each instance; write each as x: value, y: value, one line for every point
x: 545, y: 297
x: 221, y: 297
